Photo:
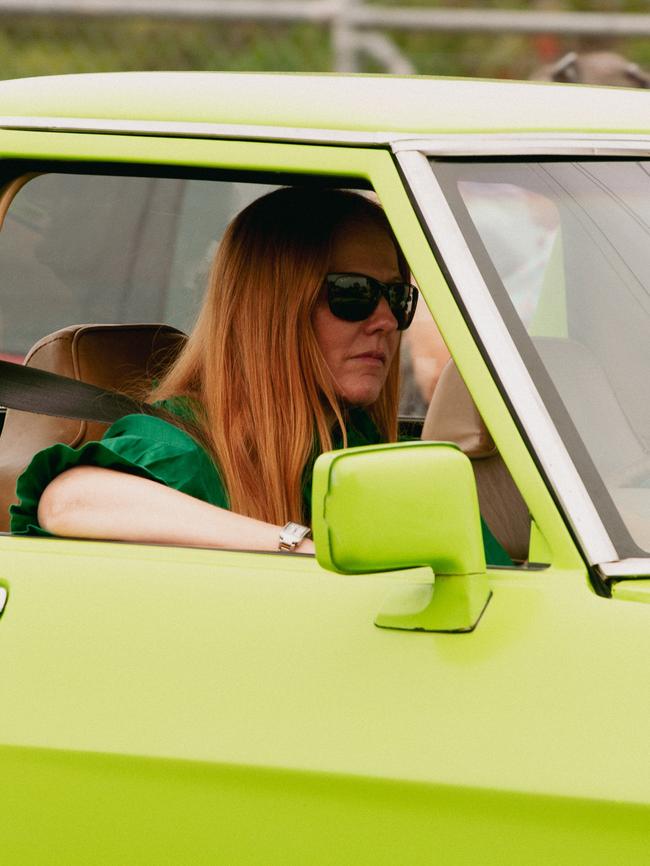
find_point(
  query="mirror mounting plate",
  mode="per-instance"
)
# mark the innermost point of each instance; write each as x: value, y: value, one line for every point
x: 453, y: 603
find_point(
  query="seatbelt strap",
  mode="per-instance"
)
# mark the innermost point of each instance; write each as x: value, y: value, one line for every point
x: 33, y: 390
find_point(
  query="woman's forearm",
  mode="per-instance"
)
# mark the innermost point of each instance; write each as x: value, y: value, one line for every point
x: 89, y: 502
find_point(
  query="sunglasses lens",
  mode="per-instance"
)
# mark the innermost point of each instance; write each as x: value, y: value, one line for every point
x: 354, y: 297
x: 402, y: 300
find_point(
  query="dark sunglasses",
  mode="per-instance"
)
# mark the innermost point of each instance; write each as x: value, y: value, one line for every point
x: 354, y: 297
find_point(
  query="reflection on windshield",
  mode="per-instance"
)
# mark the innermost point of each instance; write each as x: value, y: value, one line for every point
x: 568, y: 244
x: 519, y: 228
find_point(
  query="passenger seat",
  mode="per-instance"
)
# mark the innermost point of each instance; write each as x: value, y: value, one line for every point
x: 453, y: 417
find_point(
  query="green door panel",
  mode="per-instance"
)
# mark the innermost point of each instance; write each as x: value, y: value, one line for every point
x: 105, y: 809
x: 637, y: 589
x: 252, y: 697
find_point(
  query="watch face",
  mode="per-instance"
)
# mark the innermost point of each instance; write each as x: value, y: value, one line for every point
x: 292, y: 534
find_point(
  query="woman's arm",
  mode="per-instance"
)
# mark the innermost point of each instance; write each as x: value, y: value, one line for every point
x: 89, y: 502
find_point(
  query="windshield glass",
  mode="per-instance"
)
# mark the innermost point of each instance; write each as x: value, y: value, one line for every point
x: 564, y: 247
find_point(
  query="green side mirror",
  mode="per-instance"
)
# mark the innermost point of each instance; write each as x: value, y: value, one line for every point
x: 400, y: 506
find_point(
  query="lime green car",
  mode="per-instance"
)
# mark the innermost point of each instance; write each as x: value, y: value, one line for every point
x: 393, y: 700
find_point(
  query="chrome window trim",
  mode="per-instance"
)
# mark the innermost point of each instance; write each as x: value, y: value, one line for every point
x: 510, y: 368
x: 182, y: 129
x: 527, y: 144
x: 467, y: 143
x: 632, y: 567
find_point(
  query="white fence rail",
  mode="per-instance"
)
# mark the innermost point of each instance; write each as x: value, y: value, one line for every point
x: 355, y: 25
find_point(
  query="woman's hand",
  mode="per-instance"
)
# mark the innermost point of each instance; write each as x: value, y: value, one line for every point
x: 90, y: 502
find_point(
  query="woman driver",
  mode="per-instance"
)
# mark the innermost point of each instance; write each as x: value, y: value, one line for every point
x: 294, y: 353
x: 269, y: 377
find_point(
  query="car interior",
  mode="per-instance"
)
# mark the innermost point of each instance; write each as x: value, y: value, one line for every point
x: 53, y: 248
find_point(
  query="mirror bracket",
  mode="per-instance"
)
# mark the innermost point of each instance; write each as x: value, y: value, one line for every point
x: 453, y: 603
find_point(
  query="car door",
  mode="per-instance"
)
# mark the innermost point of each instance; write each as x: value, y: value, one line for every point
x: 179, y: 705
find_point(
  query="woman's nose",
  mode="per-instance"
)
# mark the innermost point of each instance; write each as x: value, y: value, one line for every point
x: 382, y: 319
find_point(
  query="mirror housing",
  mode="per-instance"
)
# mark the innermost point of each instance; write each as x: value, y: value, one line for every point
x: 401, y: 506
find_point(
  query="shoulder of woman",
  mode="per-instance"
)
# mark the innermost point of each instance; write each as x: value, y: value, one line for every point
x: 152, y: 430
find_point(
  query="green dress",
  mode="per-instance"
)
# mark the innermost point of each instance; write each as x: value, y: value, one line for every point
x: 152, y: 448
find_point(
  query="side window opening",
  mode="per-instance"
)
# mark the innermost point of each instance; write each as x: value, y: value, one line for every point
x: 97, y: 247
x: 83, y: 248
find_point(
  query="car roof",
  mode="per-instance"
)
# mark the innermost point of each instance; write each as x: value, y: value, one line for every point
x: 361, y: 103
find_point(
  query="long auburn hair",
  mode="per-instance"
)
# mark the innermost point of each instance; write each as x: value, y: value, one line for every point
x: 252, y: 363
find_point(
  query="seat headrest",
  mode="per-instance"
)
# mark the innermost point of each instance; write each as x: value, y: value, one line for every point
x: 110, y: 356
x: 453, y: 417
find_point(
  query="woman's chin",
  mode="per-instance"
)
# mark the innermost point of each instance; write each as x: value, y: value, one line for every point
x: 360, y: 396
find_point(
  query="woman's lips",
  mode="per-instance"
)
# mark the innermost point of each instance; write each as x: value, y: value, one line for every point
x: 378, y: 358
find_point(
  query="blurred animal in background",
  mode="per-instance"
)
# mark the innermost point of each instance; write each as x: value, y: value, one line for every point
x: 594, y: 67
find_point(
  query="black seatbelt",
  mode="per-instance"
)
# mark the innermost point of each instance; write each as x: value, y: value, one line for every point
x: 33, y: 390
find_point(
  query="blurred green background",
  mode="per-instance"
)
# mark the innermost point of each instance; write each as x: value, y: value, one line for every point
x: 41, y: 44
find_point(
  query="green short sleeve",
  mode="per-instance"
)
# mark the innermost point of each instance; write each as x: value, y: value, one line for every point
x: 494, y: 553
x: 141, y: 445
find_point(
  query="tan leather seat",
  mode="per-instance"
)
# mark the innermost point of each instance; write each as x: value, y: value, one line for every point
x: 593, y: 402
x: 453, y: 417
x: 120, y: 357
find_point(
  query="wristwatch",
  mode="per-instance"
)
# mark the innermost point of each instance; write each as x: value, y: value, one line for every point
x: 292, y: 534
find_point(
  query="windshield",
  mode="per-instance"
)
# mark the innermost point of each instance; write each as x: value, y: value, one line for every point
x: 564, y: 248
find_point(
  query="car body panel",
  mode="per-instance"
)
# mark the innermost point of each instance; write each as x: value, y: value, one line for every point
x: 183, y: 812
x: 216, y: 670
x: 365, y: 103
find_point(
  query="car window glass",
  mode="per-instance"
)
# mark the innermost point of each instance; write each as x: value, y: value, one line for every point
x: 565, y: 244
